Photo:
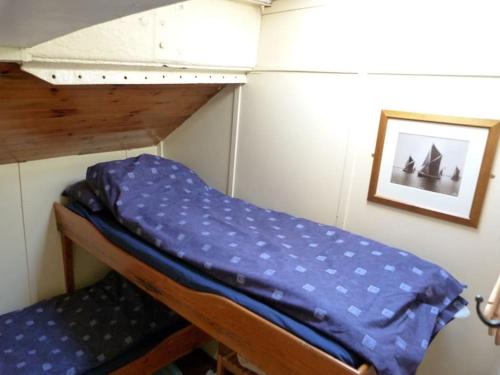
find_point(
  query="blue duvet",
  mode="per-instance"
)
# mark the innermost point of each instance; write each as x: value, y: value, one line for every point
x: 383, y: 303
x: 90, y: 331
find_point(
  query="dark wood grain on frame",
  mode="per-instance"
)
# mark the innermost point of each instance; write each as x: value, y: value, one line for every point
x: 493, y: 127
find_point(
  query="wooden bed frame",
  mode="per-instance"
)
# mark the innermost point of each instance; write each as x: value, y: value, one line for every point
x: 269, y: 347
x: 173, y: 347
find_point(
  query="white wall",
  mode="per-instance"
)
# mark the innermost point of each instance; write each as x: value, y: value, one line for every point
x: 29, y: 22
x: 291, y: 155
x: 284, y: 140
x: 309, y: 117
x: 471, y: 255
x: 204, y: 140
x: 423, y: 37
x: 195, y: 33
x: 14, y: 285
x: 30, y: 249
x: 308, y: 106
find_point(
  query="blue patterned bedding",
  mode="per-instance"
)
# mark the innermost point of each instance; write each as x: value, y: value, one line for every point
x: 81, y: 332
x: 383, y: 303
x: 195, y: 279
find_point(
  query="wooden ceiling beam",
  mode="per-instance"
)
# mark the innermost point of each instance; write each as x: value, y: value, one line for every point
x: 39, y: 120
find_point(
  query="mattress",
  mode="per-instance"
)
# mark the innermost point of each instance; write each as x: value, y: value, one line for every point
x: 190, y: 277
x: 93, y: 330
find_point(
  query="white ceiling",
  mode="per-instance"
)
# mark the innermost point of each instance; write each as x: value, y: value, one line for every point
x: 25, y: 23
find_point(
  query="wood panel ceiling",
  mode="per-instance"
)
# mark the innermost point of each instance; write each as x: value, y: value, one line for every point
x: 39, y: 120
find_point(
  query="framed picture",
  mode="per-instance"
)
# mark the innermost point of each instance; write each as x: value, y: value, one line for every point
x: 438, y: 166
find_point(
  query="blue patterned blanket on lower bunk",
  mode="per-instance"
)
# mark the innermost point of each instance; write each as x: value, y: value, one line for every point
x: 82, y: 332
x: 382, y: 303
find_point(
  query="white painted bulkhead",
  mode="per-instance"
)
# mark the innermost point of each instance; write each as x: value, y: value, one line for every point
x: 196, y: 41
x: 308, y: 119
x: 30, y: 247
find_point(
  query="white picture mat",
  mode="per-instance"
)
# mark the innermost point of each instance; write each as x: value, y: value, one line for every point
x: 456, y: 206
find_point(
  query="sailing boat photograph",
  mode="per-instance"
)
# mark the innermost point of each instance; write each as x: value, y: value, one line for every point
x: 429, y: 163
x: 433, y: 165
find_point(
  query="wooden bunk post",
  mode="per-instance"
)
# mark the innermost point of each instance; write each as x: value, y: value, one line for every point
x: 67, y: 253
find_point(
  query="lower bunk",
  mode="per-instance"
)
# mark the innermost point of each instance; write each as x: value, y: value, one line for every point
x: 272, y: 341
x: 109, y: 327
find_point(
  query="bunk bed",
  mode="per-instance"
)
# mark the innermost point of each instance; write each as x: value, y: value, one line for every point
x: 226, y: 289
x: 270, y: 347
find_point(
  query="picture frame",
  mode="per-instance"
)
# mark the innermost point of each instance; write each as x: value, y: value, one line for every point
x: 434, y: 165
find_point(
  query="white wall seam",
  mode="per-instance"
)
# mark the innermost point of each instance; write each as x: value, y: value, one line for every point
x: 178, y: 64
x: 159, y: 149
x: 264, y: 69
x: 174, y: 65
x: 269, y: 13
x: 233, y: 151
x: 389, y: 74
x: 345, y: 179
x: 349, y: 168
x: 262, y: 3
x: 289, y: 6
x: 31, y: 297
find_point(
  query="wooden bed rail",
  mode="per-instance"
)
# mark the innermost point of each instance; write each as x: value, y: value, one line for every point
x: 271, y: 348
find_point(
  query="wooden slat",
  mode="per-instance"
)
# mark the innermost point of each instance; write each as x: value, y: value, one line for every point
x: 272, y: 349
x: 43, y: 141
x: 39, y: 120
x: 67, y: 255
x: 230, y: 362
x: 100, y: 126
x: 82, y: 122
x: 54, y: 108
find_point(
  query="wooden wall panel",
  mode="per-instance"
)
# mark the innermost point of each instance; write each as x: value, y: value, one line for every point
x: 39, y: 120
